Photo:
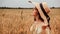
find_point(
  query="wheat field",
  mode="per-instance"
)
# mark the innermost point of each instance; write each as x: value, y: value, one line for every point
x: 18, y: 21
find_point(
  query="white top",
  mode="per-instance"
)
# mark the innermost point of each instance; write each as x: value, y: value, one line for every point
x: 36, y: 28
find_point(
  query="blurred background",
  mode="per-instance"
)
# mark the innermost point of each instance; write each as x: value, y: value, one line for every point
x: 16, y: 16
x: 25, y: 4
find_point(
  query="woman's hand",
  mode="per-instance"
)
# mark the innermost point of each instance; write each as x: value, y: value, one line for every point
x: 44, y: 26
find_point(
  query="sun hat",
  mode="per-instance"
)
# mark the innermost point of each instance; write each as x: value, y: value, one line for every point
x: 41, y: 6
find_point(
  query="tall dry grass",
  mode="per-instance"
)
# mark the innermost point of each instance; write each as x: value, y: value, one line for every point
x: 18, y: 21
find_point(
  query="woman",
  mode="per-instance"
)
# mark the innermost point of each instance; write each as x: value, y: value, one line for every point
x: 41, y: 20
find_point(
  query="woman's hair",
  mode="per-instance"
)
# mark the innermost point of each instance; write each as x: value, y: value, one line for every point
x: 38, y: 15
x: 47, y: 17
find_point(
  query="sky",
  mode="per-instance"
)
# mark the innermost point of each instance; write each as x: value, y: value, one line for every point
x: 25, y: 4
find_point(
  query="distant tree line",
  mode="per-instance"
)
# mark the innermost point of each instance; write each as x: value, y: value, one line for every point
x: 13, y: 8
x: 21, y: 8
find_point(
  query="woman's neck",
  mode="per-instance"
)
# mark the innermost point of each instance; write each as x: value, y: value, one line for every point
x: 37, y: 19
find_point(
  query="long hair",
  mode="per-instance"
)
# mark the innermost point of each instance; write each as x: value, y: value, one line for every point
x: 38, y: 15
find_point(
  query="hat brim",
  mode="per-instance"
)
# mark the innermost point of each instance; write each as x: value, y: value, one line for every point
x: 45, y: 6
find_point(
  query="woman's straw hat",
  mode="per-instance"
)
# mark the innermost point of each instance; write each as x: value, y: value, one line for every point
x: 44, y: 4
